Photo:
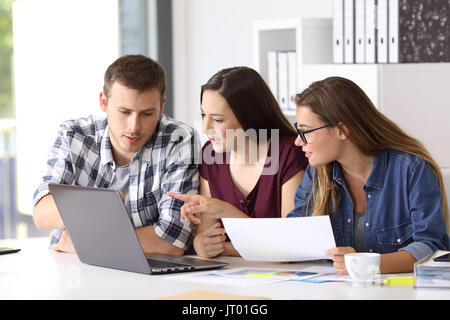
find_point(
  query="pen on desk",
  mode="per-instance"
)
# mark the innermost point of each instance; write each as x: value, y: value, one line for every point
x: 394, y: 281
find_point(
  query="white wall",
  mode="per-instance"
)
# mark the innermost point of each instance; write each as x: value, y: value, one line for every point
x: 210, y: 35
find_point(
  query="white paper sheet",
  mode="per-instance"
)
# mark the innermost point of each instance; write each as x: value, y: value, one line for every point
x: 281, y: 239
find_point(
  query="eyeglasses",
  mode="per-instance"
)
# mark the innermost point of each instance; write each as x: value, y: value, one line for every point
x: 302, y: 133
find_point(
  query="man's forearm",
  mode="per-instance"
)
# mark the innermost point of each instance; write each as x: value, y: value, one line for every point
x: 46, y: 214
x: 152, y: 243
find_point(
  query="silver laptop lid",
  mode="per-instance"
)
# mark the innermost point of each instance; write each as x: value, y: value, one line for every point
x: 99, y: 227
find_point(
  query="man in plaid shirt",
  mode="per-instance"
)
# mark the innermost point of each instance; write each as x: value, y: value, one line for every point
x: 135, y: 149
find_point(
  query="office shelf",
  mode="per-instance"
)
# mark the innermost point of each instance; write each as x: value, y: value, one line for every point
x: 414, y: 95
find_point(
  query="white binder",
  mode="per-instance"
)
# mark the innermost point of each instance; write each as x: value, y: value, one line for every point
x: 360, y: 31
x: 338, y: 31
x: 272, y: 73
x: 292, y: 79
x: 370, y: 31
x: 393, y: 45
x: 382, y: 31
x: 349, y: 31
x: 283, y: 80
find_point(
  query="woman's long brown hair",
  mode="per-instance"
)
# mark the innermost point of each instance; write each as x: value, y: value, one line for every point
x: 250, y: 99
x: 338, y: 100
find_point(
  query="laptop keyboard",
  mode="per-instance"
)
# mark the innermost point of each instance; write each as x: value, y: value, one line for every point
x: 165, y: 264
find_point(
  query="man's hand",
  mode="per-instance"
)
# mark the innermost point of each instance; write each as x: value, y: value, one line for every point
x: 64, y: 244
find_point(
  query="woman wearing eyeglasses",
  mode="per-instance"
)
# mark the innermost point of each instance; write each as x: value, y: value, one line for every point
x: 250, y: 166
x: 381, y: 188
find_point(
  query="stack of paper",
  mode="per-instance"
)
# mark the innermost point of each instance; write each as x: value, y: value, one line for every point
x: 432, y: 274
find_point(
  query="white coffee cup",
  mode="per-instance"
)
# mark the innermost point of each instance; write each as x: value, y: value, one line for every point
x: 362, y: 267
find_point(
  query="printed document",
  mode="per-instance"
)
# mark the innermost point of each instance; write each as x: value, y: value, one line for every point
x: 281, y: 239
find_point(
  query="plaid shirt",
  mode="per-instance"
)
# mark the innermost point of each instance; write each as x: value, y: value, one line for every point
x: 81, y: 155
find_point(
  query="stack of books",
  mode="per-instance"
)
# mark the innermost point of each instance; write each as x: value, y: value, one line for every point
x: 433, y: 272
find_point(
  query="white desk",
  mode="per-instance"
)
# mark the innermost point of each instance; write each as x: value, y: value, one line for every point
x: 38, y: 272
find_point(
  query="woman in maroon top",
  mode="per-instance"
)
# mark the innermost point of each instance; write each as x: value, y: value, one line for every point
x: 250, y: 165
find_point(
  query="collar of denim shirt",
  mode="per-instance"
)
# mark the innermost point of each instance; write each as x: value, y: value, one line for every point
x: 376, y: 177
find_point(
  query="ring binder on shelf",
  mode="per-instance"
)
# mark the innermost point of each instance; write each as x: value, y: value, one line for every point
x: 272, y: 73
x: 393, y: 31
x: 360, y: 31
x: 349, y: 31
x: 282, y: 58
x: 338, y: 31
x: 292, y: 79
x: 382, y: 31
x: 419, y: 31
x: 370, y: 31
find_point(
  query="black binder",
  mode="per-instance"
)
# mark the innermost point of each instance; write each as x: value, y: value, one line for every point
x: 419, y: 31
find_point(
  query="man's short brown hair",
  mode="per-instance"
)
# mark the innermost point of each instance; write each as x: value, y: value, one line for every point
x: 136, y: 72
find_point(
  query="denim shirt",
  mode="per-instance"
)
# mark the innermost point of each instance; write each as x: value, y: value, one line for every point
x: 403, y: 206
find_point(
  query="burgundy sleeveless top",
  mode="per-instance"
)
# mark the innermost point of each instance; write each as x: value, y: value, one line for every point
x: 264, y: 201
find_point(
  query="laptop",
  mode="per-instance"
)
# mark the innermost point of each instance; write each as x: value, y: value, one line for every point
x: 103, y: 235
